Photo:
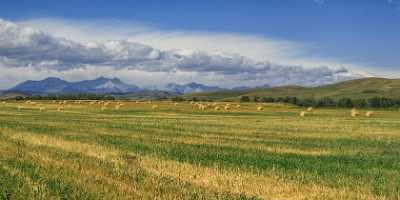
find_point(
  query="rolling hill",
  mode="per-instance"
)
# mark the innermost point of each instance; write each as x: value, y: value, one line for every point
x: 359, y: 88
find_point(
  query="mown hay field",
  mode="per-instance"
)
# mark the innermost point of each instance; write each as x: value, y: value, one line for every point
x: 162, y: 150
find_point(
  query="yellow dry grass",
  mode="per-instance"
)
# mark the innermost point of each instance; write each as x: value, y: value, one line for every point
x: 264, y: 185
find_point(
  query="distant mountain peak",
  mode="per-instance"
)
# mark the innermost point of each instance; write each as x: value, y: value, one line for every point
x: 190, y: 88
x: 241, y: 88
x: 193, y: 84
x: 56, y: 85
x: 52, y: 79
x: 100, y: 78
x: 103, y: 85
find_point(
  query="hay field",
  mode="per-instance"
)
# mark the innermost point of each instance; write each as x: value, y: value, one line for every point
x: 178, y: 151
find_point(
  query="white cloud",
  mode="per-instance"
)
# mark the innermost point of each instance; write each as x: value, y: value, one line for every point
x: 166, y: 57
x: 255, y: 47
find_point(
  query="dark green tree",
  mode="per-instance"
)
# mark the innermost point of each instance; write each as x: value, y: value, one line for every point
x: 345, y: 103
x: 245, y: 99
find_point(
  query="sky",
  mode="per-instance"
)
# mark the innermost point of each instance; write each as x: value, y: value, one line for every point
x: 216, y: 42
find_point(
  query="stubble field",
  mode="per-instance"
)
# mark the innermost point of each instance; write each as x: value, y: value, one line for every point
x: 168, y: 151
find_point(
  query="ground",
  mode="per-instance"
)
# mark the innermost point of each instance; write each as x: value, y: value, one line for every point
x: 168, y: 151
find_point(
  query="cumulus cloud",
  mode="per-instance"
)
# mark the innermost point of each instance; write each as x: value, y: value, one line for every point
x: 25, y: 47
x: 252, y: 46
x: 33, y: 47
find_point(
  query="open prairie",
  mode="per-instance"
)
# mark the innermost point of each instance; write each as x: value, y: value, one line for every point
x: 163, y: 150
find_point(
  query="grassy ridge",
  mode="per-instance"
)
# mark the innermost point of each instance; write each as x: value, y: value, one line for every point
x: 179, y: 152
x: 361, y: 88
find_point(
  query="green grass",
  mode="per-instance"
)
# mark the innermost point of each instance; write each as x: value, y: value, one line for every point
x: 361, y: 88
x: 180, y: 152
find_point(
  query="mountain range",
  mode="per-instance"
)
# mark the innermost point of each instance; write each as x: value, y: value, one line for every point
x: 190, y: 88
x: 101, y: 85
x: 54, y: 85
x: 358, y: 88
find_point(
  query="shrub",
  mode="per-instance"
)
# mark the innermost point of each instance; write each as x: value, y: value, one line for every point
x: 345, y: 103
x: 177, y: 98
x: 245, y: 99
x: 326, y: 102
x: 256, y: 99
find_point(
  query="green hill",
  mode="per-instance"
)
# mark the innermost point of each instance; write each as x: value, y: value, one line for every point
x: 359, y: 88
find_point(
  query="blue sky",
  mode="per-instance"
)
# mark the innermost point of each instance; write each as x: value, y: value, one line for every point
x: 363, y: 34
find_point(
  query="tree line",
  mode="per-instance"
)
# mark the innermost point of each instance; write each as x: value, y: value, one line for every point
x: 374, y: 102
